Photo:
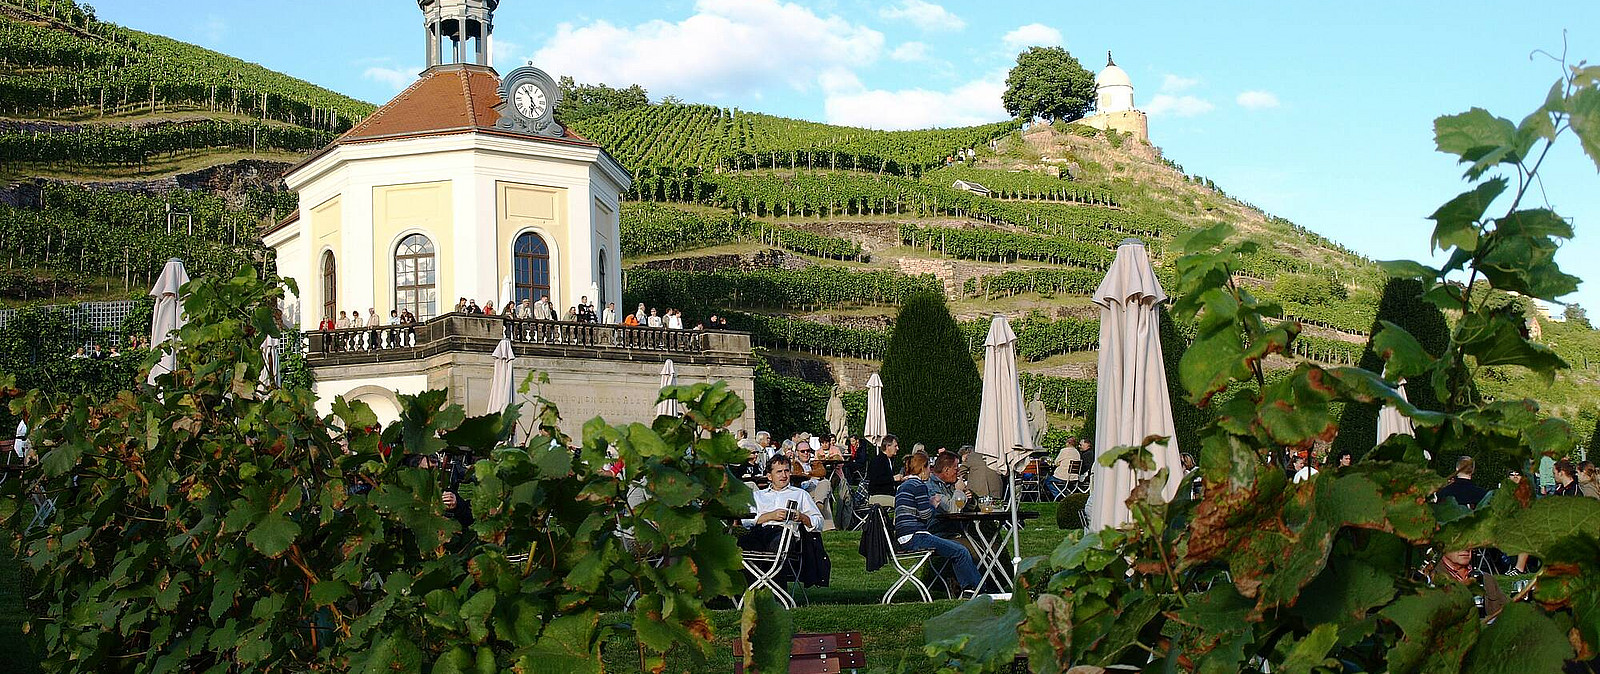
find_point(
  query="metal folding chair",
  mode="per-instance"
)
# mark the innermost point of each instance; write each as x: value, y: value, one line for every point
x: 907, y: 562
x: 765, y: 567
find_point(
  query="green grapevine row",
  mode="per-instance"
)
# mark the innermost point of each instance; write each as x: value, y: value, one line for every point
x: 1331, y: 351
x: 108, y: 68
x: 1021, y: 185
x: 808, y: 288
x: 1050, y: 281
x: 841, y: 193
x: 653, y: 229
x: 993, y: 246
x: 783, y: 332
x: 118, y: 144
x: 1074, y: 397
x: 707, y: 137
x: 125, y: 235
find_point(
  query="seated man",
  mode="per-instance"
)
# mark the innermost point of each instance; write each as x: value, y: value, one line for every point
x: 781, y: 502
x: 773, y: 506
x: 812, y: 477
x: 1069, y: 466
x: 914, y: 506
x: 946, y: 487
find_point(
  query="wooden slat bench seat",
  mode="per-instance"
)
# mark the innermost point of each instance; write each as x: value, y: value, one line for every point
x: 829, y: 653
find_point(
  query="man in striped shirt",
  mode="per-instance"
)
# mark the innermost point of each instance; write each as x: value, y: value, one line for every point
x: 914, y: 506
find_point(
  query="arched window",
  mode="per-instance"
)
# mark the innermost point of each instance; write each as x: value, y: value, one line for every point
x: 330, y: 287
x: 415, y: 277
x: 603, y: 281
x: 530, y: 266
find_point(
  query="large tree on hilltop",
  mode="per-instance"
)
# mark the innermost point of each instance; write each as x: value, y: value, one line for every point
x: 931, y: 387
x: 1048, y: 82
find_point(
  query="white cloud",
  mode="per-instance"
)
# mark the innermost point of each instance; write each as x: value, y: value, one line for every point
x: 975, y: 102
x: 909, y: 52
x: 213, y: 30
x: 1177, y: 106
x: 1032, y: 35
x: 394, y: 78
x: 505, y: 53
x: 726, y: 49
x: 1257, y: 100
x: 924, y: 15
x: 1174, y: 83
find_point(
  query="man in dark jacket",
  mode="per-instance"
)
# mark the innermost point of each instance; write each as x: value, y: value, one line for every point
x: 1461, y: 487
x: 881, y: 476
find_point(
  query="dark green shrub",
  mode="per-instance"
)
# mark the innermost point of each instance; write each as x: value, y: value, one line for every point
x: 1069, y: 511
x: 931, y: 387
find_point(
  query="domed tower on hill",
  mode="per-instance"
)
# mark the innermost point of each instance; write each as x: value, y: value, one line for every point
x: 466, y: 26
x: 1114, y: 109
x: 457, y: 198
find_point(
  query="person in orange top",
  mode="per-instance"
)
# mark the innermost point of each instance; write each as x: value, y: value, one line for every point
x: 630, y: 320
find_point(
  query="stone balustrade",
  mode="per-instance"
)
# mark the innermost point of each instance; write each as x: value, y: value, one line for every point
x: 472, y: 332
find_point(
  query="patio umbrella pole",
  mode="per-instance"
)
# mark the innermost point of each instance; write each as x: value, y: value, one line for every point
x: 1016, y: 525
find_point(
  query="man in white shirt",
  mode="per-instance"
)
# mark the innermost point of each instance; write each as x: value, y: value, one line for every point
x: 773, y: 503
x: 781, y: 502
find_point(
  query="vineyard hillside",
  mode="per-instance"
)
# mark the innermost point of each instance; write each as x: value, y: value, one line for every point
x: 119, y: 149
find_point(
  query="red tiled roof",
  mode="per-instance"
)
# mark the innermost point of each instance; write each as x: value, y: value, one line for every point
x: 454, y: 98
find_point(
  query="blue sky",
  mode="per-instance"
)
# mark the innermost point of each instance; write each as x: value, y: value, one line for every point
x: 1321, y: 113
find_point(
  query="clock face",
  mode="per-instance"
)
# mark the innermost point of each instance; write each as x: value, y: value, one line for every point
x: 530, y: 100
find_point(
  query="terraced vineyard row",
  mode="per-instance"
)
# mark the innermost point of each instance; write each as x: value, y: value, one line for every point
x: 123, y: 235
x: 845, y: 193
x: 1021, y: 185
x: 101, y: 144
x: 654, y: 229
x: 103, y: 68
x: 994, y: 246
x: 804, y: 289
x: 706, y: 137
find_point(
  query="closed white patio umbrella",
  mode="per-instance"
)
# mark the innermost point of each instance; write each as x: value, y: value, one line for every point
x: 669, y: 377
x: 167, y: 316
x: 1131, y: 398
x: 1003, y: 435
x: 507, y: 296
x: 502, y: 387
x: 272, y: 369
x: 1391, y: 421
x: 876, y: 426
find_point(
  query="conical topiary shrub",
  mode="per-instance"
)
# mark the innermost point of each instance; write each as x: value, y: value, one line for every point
x: 931, y: 387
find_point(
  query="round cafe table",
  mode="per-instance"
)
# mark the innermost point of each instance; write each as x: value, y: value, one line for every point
x: 991, y: 548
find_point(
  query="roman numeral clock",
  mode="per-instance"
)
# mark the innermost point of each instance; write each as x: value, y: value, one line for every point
x: 528, y: 98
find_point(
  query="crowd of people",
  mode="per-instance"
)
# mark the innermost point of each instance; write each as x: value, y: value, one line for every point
x: 92, y: 350
x: 539, y: 310
x: 797, y: 479
x: 376, y: 333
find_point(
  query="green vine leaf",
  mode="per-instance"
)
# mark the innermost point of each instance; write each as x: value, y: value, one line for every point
x: 1478, y: 137
x: 766, y: 631
x: 1440, y: 626
x: 1456, y: 222
x: 1520, y: 640
x: 1584, y: 105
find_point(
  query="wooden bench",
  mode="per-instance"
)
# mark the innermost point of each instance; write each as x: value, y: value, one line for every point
x: 830, y: 653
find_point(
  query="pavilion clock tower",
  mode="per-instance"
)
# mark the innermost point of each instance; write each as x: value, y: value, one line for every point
x: 462, y: 186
